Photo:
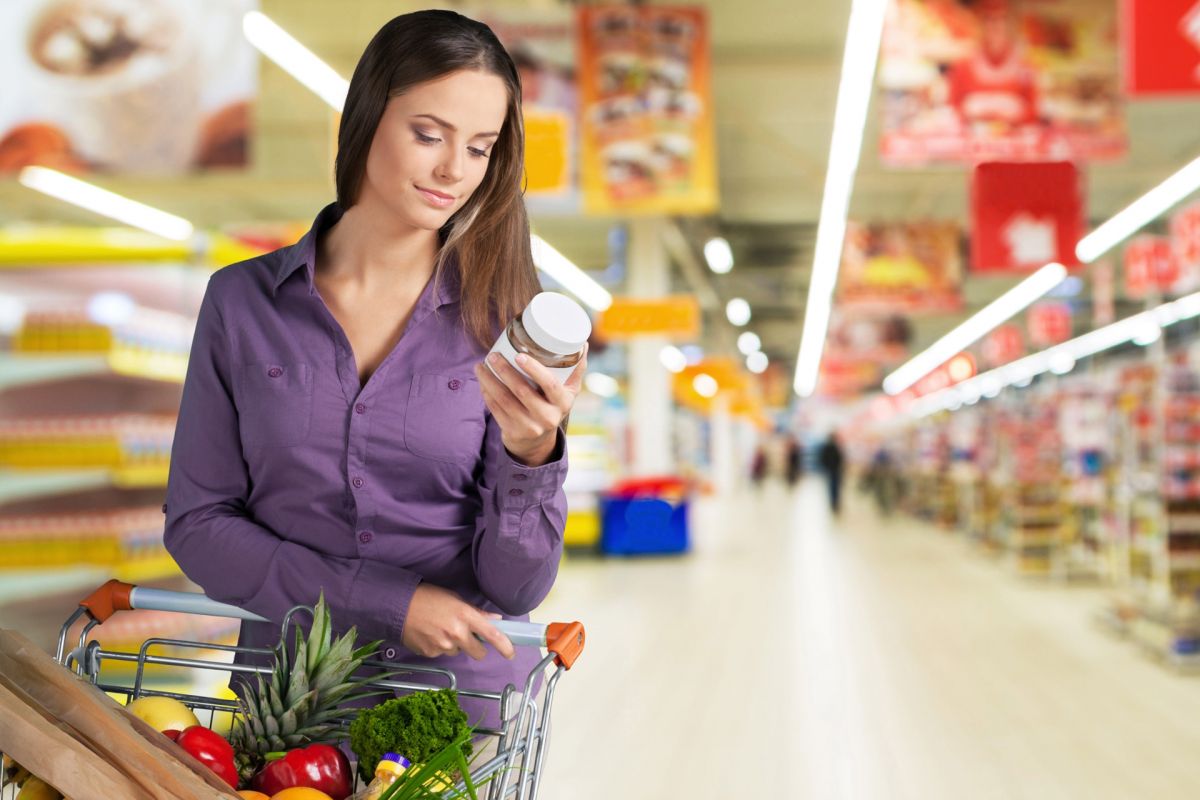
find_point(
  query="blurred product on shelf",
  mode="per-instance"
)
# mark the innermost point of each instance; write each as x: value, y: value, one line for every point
x: 644, y: 516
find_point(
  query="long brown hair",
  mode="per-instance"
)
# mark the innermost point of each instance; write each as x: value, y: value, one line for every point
x: 489, y: 236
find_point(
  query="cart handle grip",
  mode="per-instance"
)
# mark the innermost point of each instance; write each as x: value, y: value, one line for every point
x: 563, y: 639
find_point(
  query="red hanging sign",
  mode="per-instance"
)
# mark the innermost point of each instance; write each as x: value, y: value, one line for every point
x: 1161, y: 46
x: 1185, y: 246
x: 1049, y: 323
x: 1003, y: 345
x: 1025, y: 215
x: 1149, y: 265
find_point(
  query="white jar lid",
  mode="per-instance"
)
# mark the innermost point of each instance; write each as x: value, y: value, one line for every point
x: 557, y: 323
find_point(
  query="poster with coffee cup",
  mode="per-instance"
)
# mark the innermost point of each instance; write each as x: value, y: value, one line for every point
x: 158, y: 87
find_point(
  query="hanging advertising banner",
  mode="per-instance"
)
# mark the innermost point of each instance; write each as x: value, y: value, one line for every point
x: 108, y: 86
x: 1185, y: 247
x: 1150, y: 266
x: 648, y: 144
x: 879, y: 339
x: 1049, y: 323
x: 901, y: 267
x: 676, y: 318
x: 1000, y: 80
x: 1025, y: 216
x: 542, y: 44
x: 1160, y: 46
x: 847, y: 377
x: 1004, y: 344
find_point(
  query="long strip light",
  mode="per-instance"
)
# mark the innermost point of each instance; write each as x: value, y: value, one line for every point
x: 297, y: 60
x: 302, y: 64
x: 1139, y: 213
x: 854, y: 96
x: 109, y: 204
x: 1141, y: 328
x: 1003, y: 308
x: 569, y: 276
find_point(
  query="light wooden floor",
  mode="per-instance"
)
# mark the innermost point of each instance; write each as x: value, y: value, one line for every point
x: 791, y: 656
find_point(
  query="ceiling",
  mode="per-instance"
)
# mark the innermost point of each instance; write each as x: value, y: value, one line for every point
x: 775, y: 75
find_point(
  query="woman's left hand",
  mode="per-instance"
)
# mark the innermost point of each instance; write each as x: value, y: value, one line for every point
x: 528, y: 419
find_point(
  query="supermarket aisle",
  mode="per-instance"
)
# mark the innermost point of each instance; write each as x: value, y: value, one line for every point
x: 797, y: 657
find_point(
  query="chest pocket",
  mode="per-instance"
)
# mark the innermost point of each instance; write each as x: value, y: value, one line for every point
x: 274, y: 403
x: 444, y: 419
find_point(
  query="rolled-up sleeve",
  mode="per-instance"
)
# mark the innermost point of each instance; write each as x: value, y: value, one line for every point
x: 519, y: 534
x: 215, y: 539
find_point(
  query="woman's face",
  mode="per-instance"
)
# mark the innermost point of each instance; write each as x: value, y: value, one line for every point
x: 432, y: 146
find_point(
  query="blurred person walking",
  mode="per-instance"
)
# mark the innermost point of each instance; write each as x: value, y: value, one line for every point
x: 833, y: 462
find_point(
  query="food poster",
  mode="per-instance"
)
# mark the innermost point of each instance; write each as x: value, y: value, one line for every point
x: 648, y: 145
x: 989, y: 80
x: 882, y: 339
x: 126, y: 86
x: 901, y: 267
x: 542, y: 42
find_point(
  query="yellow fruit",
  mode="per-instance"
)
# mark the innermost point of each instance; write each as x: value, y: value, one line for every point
x: 37, y: 789
x: 300, y: 793
x: 163, y: 713
x: 250, y: 794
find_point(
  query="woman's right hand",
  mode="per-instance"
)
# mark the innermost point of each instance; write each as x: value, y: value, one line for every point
x: 440, y: 623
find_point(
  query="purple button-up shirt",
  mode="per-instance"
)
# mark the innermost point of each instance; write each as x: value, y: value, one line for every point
x: 288, y: 477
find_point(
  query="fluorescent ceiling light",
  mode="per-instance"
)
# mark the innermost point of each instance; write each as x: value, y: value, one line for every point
x: 1003, y: 308
x: 106, y: 203
x: 757, y: 362
x: 705, y: 385
x: 1062, y: 358
x: 1139, y: 213
x: 294, y: 58
x: 850, y: 118
x: 601, y: 384
x: 737, y: 311
x: 673, y: 358
x: 718, y: 255
x: 569, y: 276
x: 748, y: 343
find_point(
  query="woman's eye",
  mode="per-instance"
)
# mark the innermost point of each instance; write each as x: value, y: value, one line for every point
x: 423, y: 139
x: 477, y: 152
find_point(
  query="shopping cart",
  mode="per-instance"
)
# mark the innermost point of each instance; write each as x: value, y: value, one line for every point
x: 520, y: 740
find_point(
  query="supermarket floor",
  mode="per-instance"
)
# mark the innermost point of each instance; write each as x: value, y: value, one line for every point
x: 797, y: 656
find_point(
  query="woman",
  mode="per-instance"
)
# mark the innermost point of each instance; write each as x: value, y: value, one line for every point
x: 337, y: 431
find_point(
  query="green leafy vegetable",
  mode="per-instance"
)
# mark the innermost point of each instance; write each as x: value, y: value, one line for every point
x: 416, y: 726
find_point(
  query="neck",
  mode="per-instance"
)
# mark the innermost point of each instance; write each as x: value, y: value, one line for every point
x: 368, y: 247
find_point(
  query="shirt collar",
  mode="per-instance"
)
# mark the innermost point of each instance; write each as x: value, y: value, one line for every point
x: 304, y: 254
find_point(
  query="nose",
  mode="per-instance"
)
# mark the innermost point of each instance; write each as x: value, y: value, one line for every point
x: 451, y: 168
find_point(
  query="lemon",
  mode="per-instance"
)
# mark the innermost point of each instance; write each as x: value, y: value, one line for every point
x: 163, y: 713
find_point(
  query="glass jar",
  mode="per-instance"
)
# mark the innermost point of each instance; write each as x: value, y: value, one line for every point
x: 552, y: 330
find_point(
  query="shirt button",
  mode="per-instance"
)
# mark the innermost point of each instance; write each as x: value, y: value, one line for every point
x: 390, y: 653
x: 454, y: 384
x: 365, y: 537
x: 275, y: 372
x: 515, y: 492
x: 360, y: 409
x: 520, y: 476
x: 358, y: 483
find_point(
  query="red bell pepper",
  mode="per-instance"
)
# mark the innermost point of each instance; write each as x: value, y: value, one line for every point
x: 318, y: 766
x: 211, y: 750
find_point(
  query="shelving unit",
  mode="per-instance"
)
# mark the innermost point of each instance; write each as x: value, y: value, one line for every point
x: 1036, y: 527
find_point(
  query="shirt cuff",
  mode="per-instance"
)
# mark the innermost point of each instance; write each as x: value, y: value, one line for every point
x: 382, y: 592
x: 519, y: 486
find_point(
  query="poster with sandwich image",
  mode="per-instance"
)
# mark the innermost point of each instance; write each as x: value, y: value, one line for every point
x: 158, y: 87
x: 646, y: 110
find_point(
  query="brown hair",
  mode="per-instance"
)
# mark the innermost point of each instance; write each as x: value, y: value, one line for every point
x: 489, y: 236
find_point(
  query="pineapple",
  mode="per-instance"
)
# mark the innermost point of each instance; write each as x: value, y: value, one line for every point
x: 299, y: 705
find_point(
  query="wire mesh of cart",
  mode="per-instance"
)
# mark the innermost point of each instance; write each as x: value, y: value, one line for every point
x: 521, y: 738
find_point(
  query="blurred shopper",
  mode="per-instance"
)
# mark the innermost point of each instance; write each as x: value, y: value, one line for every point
x: 833, y: 462
x: 794, y: 459
x: 882, y: 481
x: 758, y: 465
x: 338, y: 431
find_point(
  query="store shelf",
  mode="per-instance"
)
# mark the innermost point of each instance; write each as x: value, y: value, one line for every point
x: 24, y: 369
x: 16, y: 483
x: 22, y: 584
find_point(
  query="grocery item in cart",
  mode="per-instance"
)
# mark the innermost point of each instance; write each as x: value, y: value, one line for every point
x: 389, y: 770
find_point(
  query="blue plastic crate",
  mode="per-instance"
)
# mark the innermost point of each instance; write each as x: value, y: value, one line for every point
x: 643, y: 526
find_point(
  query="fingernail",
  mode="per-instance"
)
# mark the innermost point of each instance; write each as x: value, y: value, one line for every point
x: 522, y: 358
x: 494, y: 358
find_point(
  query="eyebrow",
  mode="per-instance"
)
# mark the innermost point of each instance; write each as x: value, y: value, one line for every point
x: 448, y: 126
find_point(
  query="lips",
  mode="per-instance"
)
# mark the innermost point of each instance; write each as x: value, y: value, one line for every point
x: 435, y: 198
